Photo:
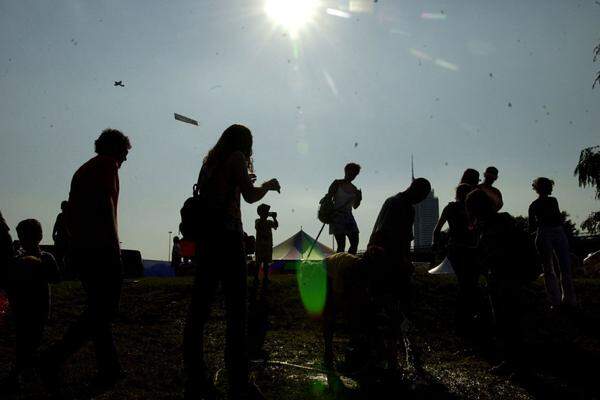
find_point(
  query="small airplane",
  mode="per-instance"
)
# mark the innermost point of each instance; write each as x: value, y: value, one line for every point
x: 119, y: 83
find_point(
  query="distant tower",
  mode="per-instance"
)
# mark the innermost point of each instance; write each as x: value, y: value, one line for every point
x: 427, y: 214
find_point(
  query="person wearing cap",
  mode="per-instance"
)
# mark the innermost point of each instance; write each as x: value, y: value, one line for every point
x: 264, y: 240
x: 489, y: 177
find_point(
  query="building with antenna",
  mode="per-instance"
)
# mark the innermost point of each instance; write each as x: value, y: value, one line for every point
x: 427, y: 214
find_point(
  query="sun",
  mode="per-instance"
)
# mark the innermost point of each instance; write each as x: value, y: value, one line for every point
x: 292, y: 15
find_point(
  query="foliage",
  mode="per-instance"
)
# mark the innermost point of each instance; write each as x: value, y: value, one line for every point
x: 588, y: 168
x: 569, y: 226
x: 522, y: 223
x: 588, y: 173
x: 592, y: 223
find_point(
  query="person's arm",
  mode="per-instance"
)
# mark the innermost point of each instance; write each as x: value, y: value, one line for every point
x: 438, y: 227
x: 500, y: 201
x: 358, y: 198
x: 239, y: 170
x: 531, y: 219
x: 275, y: 223
x: 55, y: 228
x: 50, y: 268
x: 109, y: 191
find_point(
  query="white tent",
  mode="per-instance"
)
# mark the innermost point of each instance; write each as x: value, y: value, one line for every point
x: 445, y: 268
x: 297, y: 247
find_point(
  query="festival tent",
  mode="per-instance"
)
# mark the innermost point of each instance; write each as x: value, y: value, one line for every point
x: 297, y: 247
x: 445, y: 268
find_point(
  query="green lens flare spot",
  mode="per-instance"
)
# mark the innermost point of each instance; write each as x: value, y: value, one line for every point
x: 312, y: 283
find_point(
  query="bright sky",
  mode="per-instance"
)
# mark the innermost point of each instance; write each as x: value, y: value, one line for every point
x: 320, y: 83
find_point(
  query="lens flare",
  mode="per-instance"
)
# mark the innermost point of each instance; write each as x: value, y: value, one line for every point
x: 292, y: 15
x: 312, y: 284
x: 338, y: 13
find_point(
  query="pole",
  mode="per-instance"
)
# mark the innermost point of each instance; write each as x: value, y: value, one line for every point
x: 169, y: 251
x: 315, y: 242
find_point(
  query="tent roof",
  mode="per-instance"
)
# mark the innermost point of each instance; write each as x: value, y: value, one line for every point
x: 298, y: 246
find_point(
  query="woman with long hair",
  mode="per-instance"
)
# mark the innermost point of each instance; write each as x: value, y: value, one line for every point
x: 224, y: 177
x: 470, y: 177
x: 545, y: 219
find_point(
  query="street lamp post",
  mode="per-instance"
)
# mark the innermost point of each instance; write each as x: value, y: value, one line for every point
x: 169, y: 253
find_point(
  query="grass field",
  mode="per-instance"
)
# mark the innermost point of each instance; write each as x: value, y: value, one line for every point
x: 565, y: 351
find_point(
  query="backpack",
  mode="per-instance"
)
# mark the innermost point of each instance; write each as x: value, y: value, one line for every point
x: 326, y: 209
x: 192, y: 216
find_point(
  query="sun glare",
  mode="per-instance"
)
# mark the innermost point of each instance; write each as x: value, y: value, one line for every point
x: 292, y: 15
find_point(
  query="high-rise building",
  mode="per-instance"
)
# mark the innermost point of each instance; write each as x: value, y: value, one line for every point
x: 427, y: 214
x: 426, y: 217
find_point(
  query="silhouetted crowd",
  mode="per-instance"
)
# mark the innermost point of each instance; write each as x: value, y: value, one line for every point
x: 493, y: 261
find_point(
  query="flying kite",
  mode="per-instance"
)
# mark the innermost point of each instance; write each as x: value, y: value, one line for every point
x: 181, y: 118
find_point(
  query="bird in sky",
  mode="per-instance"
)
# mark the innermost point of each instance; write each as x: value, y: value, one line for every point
x: 119, y: 83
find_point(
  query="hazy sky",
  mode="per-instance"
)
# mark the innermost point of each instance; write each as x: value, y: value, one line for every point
x: 457, y: 83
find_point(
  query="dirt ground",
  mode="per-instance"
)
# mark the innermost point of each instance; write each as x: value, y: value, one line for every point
x: 564, y: 352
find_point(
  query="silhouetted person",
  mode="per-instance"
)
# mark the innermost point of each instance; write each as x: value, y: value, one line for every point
x: 60, y: 236
x: 545, y: 220
x: 221, y: 258
x: 176, y: 254
x: 470, y: 177
x: 461, y: 253
x: 393, y: 231
x: 6, y: 251
x: 264, y: 240
x: 96, y: 256
x: 489, y: 177
x: 501, y: 258
x: 29, y: 277
x: 345, y: 197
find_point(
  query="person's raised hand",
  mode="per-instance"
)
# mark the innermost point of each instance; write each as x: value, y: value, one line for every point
x: 272, y: 184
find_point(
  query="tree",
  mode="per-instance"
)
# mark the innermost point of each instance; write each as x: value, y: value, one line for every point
x: 588, y: 174
x: 588, y: 168
x: 592, y: 223
x: 569, y: 226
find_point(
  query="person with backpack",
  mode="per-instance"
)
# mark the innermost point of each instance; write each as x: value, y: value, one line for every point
x: 221, y: 258
x: 546, y: 221
x: 344, y: 197
x: 508, y: 263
